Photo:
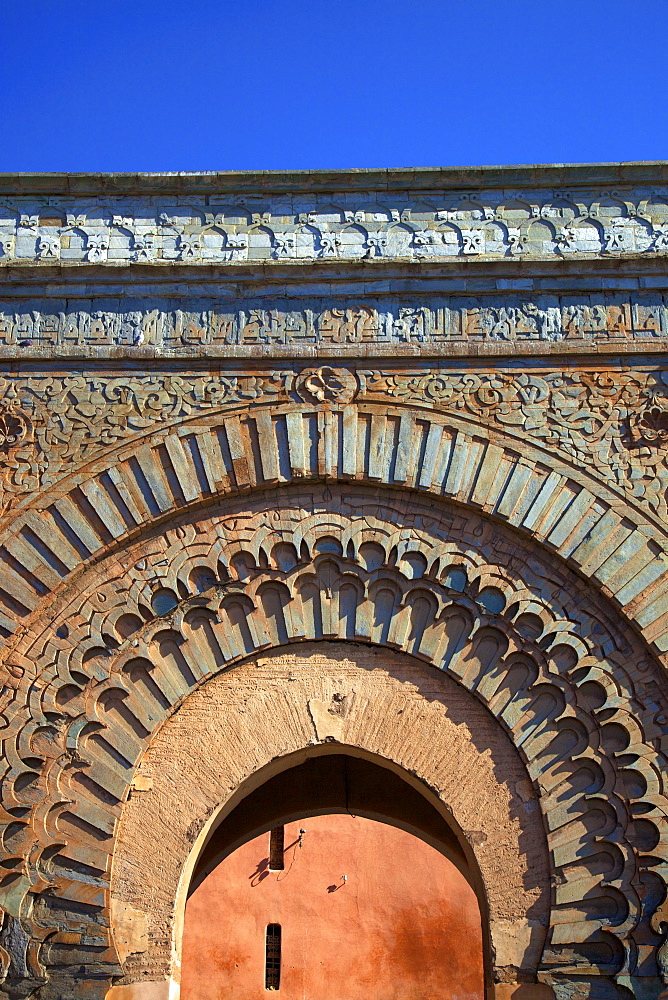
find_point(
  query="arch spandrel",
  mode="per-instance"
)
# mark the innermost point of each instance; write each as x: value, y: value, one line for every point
x: 569, y: 509
x: 572, y: 687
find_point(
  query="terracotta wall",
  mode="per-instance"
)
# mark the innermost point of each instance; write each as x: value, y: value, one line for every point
x: 404, y: 925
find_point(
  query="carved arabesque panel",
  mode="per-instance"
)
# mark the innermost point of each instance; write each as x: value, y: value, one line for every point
x: 613, y: 424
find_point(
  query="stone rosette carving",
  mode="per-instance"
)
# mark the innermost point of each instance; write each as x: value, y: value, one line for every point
x: 649, y: 426
x: 327, y: 385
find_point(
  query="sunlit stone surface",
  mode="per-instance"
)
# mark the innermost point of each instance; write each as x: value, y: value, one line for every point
x: 369, y: 465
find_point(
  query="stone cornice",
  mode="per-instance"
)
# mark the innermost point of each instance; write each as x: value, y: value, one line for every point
x: 392, y: 179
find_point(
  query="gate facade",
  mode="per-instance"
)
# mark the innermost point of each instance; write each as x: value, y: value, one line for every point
x: 369, y: 462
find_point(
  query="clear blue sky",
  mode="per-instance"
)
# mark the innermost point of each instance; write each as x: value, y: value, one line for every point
x: 289, y: 84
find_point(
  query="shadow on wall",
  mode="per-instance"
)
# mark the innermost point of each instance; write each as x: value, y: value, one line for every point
x: 361, y: 911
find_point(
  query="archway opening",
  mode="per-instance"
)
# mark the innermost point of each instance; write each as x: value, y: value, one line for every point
x: 335, y: 879
x: 349, y: 909
x: 224, y: 769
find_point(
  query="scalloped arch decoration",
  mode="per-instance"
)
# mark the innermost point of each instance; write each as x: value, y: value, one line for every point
x: 573, y: 688
x: 569, y: 511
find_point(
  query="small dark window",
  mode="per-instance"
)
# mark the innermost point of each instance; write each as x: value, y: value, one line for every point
x: 272, y: 962
x: 276, y: 849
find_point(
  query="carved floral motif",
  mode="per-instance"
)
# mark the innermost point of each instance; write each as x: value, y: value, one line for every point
x: 596, y: 419
x: 73, y: 419
x: 650, y: 425
x: 614, y: 423
x: 14, y: 428
x: 326, y: 385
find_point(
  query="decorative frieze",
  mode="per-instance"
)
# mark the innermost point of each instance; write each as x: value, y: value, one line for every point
x: 612, y: 423
x: 347, y: 226
x: 336, y: 323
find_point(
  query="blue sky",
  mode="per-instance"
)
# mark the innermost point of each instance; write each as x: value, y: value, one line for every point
x: 104, y: 85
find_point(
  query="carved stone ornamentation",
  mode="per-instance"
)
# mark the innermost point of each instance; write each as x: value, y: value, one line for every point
x: 649, y: 426
x: 399, y: 223
x: 260, y: 433
x: 450, y: 589
x: 327, y: 385
x: 659, y: 925
x: 438, y: 322
x: 610, y: 423
x: 15, y: 428
x: 48, y: 247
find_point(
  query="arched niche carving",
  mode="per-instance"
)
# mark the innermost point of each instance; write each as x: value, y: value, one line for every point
x: 574, y: 688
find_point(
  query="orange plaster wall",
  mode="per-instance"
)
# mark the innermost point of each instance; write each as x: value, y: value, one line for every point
x: 404, y: 926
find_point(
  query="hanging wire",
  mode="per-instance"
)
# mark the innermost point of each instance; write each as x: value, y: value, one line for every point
x: 293, y: 847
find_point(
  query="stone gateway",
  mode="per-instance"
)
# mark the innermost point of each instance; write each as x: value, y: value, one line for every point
x: 335, y: 492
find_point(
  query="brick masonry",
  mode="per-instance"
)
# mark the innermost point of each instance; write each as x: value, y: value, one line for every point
x: 265, y: 436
